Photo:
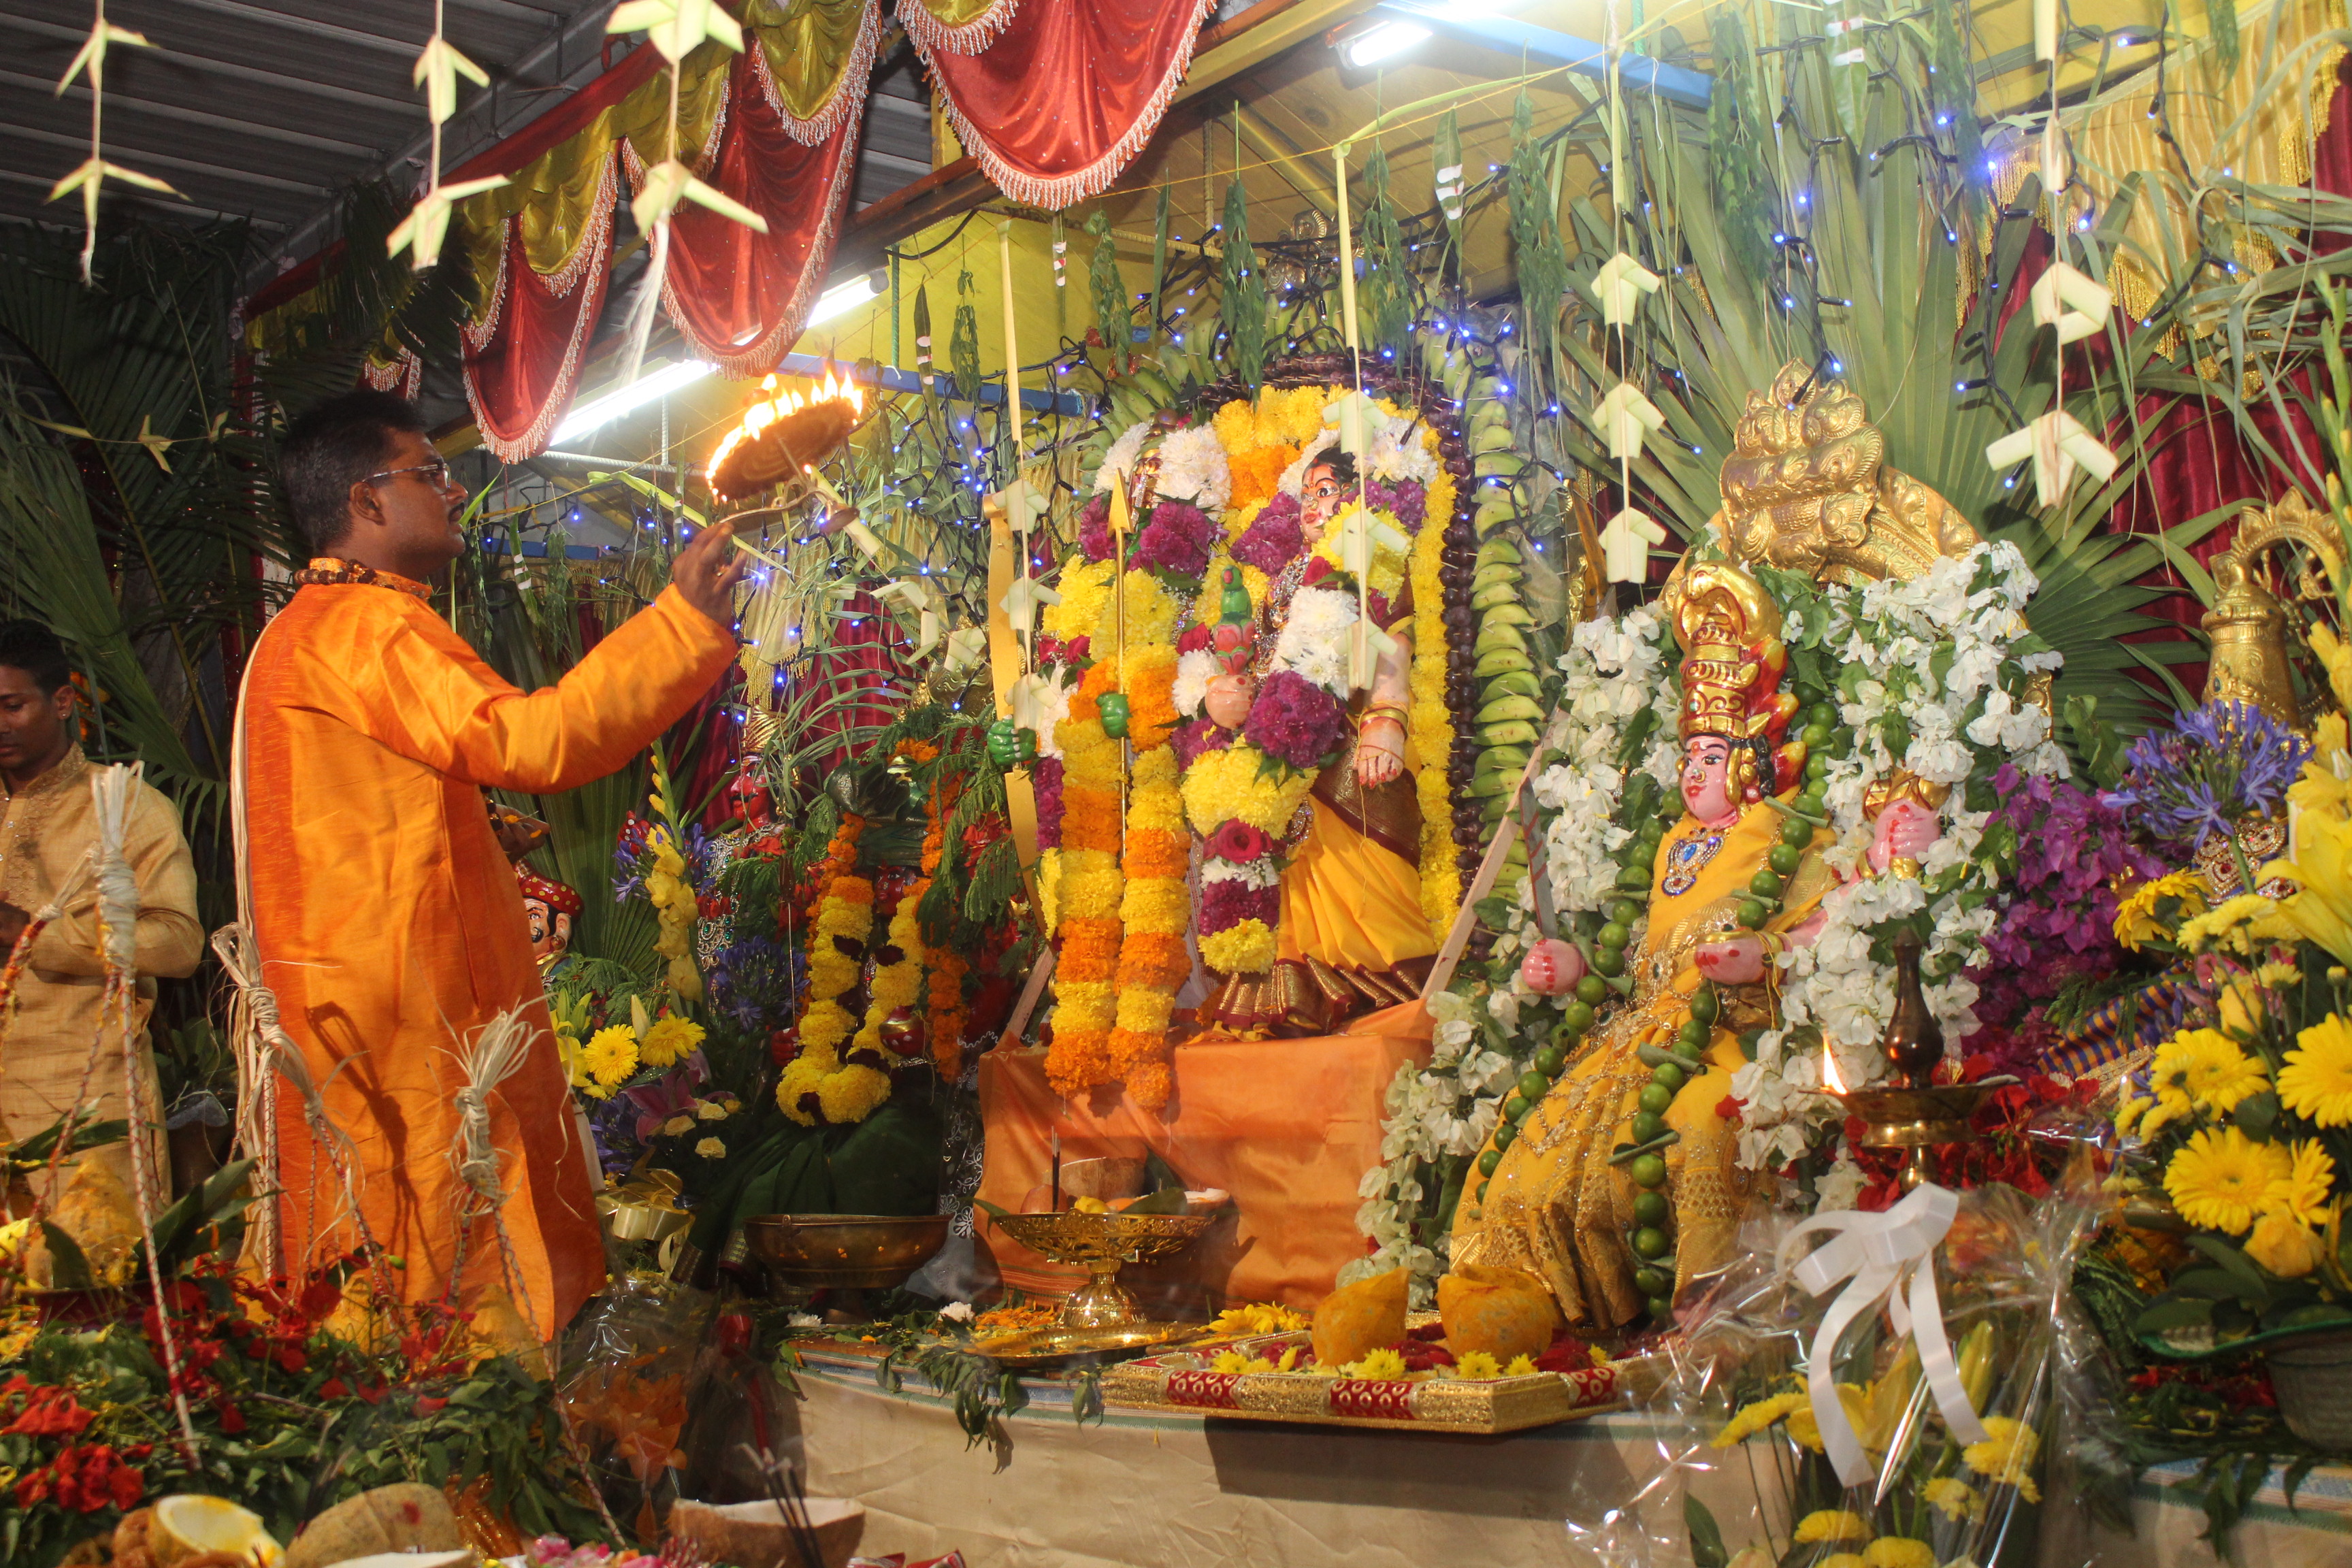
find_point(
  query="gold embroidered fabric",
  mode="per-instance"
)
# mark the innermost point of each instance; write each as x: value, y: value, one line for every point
x: 330, y: 569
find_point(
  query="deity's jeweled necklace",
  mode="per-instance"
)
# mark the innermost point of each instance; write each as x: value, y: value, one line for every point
x: 1687, y: 856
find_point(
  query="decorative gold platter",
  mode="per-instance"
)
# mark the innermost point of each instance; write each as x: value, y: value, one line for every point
x: 1184, y: 1379
x: 1041, y: 1350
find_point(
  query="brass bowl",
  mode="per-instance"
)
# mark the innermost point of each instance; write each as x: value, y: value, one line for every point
x: 1100, y: 1243
x: 845, y: 1251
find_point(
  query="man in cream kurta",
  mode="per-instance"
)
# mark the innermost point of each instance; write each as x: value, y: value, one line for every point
x: 48, y: 835
x: 388, y: 921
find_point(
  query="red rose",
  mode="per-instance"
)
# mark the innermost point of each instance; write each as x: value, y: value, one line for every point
x: 1238, y: 842
x: 1195, y: 639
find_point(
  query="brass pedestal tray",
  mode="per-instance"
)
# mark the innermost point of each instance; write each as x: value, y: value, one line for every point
x: 1100, y: 1243
x: 805, y: 1253
x: 1046, y: 1349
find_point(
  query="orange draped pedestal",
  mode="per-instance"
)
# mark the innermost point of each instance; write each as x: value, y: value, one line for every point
x: 1288, y: 1126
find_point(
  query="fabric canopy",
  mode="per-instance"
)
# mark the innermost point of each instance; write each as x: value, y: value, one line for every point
x: 775, y: 127
x: 1054, y: 98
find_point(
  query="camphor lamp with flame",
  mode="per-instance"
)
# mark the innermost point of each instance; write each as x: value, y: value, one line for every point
x: 781, y: 438
x: 1910, y: 1109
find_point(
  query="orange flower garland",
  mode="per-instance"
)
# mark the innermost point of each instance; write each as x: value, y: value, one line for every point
x: 1158, y: 907
x: 818, y: 1085
x: 944, y: 1013
x: 1089, y: 892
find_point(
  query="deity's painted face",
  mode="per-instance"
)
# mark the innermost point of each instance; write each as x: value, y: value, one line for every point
x: 1321, y: 491
x: 1706, y: 782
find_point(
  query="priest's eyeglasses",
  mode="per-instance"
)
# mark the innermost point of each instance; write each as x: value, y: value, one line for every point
x: 436, y: 473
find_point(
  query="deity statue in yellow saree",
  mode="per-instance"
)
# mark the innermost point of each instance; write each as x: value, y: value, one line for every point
x: 1562, y: 1204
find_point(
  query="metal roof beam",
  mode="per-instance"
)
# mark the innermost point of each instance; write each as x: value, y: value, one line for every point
x: 203, y: 65
x: 261, y: 17
x: 1583, y: 56
x: 133, y: 194
x: 118, y: 99
x: 165, y: 159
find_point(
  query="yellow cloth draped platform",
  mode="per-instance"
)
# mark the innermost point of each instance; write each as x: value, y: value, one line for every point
x: 1287, y: 1127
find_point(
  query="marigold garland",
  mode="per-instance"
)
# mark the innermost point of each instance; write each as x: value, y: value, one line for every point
x: 1089, y: 889
x: 1152, y: 959
x: 1433, y: 723
x: 818, y: 1085
x: 944, y: 1011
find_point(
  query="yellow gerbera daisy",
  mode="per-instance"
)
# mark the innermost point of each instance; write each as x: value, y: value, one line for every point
x: 1954, y: 1497
x: 2136, y: 918
x: 2219, y: 1179
x: 1898, y: 1552
x: 2317, y: 1080
x: 1754, y: 1418
x: 2203, y: 1069
x: 1477, y: 1365
x: 2128, y: 1114
x: 611, y: 1056
x: 669, y: 1040
x: 2309, y: 1187
x: 2237, y: 924
x: 2006, y: 1456
x: 1832, y: 1524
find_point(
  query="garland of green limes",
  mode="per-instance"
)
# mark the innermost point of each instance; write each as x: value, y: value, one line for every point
x: 1655, y: 808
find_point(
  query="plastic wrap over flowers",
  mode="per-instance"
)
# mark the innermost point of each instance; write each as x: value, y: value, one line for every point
x: 1964, y: 1432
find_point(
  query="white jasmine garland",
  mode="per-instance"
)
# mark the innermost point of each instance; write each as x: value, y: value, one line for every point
x: 1264, y: 873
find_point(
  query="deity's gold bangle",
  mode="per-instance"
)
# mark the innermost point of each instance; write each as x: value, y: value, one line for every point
x: 1395, y: 711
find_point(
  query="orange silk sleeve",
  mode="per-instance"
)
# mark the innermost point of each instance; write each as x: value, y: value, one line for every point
x: 430, y: 697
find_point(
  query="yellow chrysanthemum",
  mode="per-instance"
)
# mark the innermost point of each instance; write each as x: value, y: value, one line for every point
x: 670, y: 1039
x: 1898, y: 1552
x: 1753, y: 1419
x: 1805, y: 1428
x: 611, y: 1056
x: 2203, y: 1069
x: 2006, y: 1456
x: 2308, y: 1188
x: 2136, y: 918
x: 1244, y: 949
x: 2283, y: 1246
x: 1084, y: 587
x: 2220, y: 1178
x: 1476, y: 1365
x: 1379, y: 1365
x: 711, y: 1149
x: 1228, y: 1362
x: 2317, y: 1080
x: 1954, y: 1497
x: 1832, y: 1524
x: 1289, y: 1360
x: 1843, y: 1559
x: 1522, y: 1365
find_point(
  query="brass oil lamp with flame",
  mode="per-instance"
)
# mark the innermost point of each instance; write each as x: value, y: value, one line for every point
x: 781, y: 440
x: 1911, y: 1110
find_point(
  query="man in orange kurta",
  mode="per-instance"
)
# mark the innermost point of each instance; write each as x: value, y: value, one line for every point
x: 388, y: 917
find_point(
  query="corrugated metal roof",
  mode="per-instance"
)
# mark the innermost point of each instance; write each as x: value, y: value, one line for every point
x: 264, y: 110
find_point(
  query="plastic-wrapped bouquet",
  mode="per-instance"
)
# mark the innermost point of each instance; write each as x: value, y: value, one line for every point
x: 1888, y: 1386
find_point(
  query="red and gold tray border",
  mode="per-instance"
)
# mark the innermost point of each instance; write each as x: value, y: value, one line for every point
x: 1183, y: 1380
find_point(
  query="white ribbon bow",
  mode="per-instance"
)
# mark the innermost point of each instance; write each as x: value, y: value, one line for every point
x: 1623, y: 417
x: 1887, y: 1257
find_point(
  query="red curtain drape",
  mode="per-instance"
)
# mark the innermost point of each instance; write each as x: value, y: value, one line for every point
x: 739, y: 295
x: 523, y: 355
x: 1062, y: 93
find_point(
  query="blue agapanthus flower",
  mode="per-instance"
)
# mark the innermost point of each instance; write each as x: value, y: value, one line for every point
x: 2226, y: 762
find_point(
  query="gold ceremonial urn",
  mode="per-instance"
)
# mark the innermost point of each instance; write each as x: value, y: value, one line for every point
x: 1100, y: 1243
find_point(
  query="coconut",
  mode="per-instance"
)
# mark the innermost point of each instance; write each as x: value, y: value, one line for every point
x: 407, y: 1518
x: 187, y: 1527
x: 754, y: 1534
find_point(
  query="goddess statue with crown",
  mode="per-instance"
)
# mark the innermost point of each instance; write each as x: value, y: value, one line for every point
x: 1728, y: 953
